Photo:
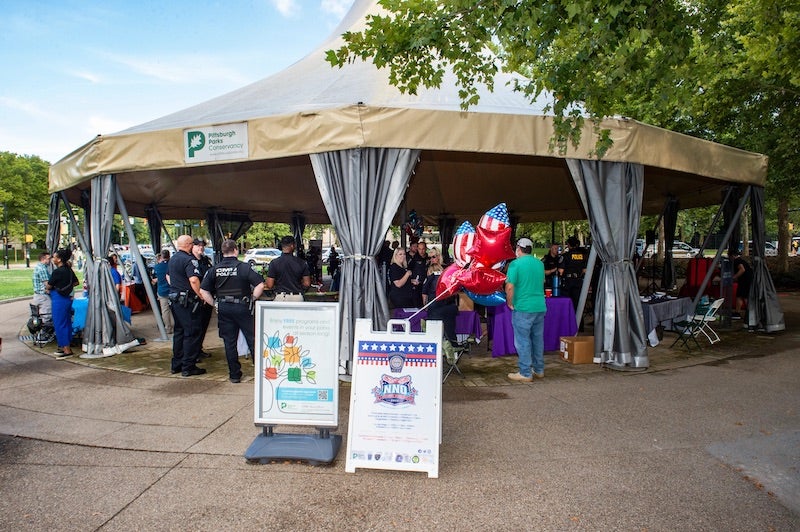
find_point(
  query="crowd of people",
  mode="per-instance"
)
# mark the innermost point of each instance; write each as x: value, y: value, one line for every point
x: 188, y: 287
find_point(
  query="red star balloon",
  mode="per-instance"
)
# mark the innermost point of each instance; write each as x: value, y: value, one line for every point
x: 491, y: 248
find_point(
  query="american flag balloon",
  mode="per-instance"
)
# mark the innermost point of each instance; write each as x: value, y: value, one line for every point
x: 462, y: 241
x: 496, y: 218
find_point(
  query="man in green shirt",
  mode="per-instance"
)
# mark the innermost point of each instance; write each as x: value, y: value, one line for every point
x: 525, y: 298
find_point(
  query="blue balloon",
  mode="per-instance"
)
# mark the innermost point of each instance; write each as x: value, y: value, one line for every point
x: 489, y: 300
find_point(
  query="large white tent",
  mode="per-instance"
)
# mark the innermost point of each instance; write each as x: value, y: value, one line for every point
x: 318, y: 144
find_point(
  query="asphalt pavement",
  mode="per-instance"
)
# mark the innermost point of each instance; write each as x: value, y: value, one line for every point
x: 705, y: 441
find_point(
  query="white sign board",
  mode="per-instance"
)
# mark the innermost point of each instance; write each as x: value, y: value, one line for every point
x: 297, y: 363
x: 395, y: 401
x: 215, y: 143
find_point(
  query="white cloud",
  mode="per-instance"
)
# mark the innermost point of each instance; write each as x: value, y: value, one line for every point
x: 287, y: 8
x: 88, y: 76
x: 27, y: 108
x: 336, y: 7
x: 186, y: 69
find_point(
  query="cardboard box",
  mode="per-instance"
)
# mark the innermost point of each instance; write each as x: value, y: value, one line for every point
x: 577, y: 349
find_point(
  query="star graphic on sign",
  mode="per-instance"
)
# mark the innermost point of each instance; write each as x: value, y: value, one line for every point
x: 430, y: 349
x: 374, y: 347
x: 392, y: 347
x: 383, y: 347
x: 402, y: 347
x: 420, y: 348
x: 365, y: 347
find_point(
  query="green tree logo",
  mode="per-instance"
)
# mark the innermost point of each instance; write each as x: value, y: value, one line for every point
x: 196, y: 141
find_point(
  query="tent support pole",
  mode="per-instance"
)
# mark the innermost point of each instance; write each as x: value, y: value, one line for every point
x: 148, y: 286
x: 587, y: 282
x: 742, y: 202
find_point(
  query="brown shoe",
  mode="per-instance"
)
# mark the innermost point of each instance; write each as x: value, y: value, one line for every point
x: 519, y: 377
x: 539, y: 375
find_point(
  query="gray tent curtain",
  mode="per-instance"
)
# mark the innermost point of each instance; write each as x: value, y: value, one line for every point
x: 154, y: 224
x: 297, y: 227
x: 362, y: 189
x: 612, y: 197
x: 763, y: 308
x: 447, y: 226
x: 670, y: 223
x: 105, y: 333
x: 54, y: 222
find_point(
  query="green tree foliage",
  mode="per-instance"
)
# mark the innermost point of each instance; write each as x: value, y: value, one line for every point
x: 727, y: 71
x: 23, y: 190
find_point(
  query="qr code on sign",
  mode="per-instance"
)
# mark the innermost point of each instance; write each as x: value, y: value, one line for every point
x: 322, y: 395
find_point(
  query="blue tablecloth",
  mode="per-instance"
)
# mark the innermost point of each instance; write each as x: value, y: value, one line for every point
x: 468, y: 322
x: 558, y: 321
x: 79, y: 308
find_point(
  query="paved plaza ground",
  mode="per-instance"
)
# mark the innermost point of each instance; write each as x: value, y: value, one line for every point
x: 706, y: 440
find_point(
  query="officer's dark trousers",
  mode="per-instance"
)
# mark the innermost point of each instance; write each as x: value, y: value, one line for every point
x: 231, y: 318
x: 186, y: 339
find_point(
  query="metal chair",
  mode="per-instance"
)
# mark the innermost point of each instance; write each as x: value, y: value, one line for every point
x: 710, y: 316
x: 696, y: 324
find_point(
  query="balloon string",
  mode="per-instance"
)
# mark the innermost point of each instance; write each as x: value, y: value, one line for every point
x: 431, y: 302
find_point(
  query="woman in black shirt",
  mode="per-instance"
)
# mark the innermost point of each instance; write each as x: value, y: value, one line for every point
x: 400, y: 294
x: 61, y: 283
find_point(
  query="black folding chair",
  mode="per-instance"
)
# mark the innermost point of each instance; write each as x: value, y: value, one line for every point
x: 459, y: 350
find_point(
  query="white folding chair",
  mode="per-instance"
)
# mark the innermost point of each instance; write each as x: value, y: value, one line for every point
x: 706, y: 319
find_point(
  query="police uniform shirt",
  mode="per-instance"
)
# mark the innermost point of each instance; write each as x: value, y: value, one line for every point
x: 573, y: 262
x: 550, y: 262
x: 203, y: 265
x: 182, y: 266
x: 288, y: 272
x: 231, y: 277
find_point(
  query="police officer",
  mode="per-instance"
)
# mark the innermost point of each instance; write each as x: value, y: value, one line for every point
x: 185, y: 302
x: 288, y: 275
x: 551, y: 260
x: 203, y: 264
x: 572, y: 268
x: 236, y: 286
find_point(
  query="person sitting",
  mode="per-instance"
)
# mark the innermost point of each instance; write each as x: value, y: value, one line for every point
x: 41, y: 294
x: 400, y: 294
x: 113, y: 265
x: 445, y: 309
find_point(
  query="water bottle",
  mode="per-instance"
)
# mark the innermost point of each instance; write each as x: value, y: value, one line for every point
x: 555, y: 285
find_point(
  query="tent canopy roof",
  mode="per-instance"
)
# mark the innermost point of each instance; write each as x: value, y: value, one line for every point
x: 498, y: 151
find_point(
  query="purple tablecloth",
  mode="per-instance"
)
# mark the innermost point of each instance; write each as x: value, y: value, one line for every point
x: 559, y: 321
x: 468, y: 322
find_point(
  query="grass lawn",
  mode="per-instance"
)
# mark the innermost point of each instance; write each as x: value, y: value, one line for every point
x: 17, y: 282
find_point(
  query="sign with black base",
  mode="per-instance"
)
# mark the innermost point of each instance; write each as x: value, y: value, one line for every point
x: 297, y: 369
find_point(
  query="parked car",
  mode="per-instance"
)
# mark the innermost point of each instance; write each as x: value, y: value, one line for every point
x: 770, y: 249
x: 682, y: 250
x: 261, y: 256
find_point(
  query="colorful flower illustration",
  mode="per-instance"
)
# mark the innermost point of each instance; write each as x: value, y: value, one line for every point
x: 286, y: 358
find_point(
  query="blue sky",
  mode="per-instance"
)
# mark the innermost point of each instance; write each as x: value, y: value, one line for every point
x: 74, y: 69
